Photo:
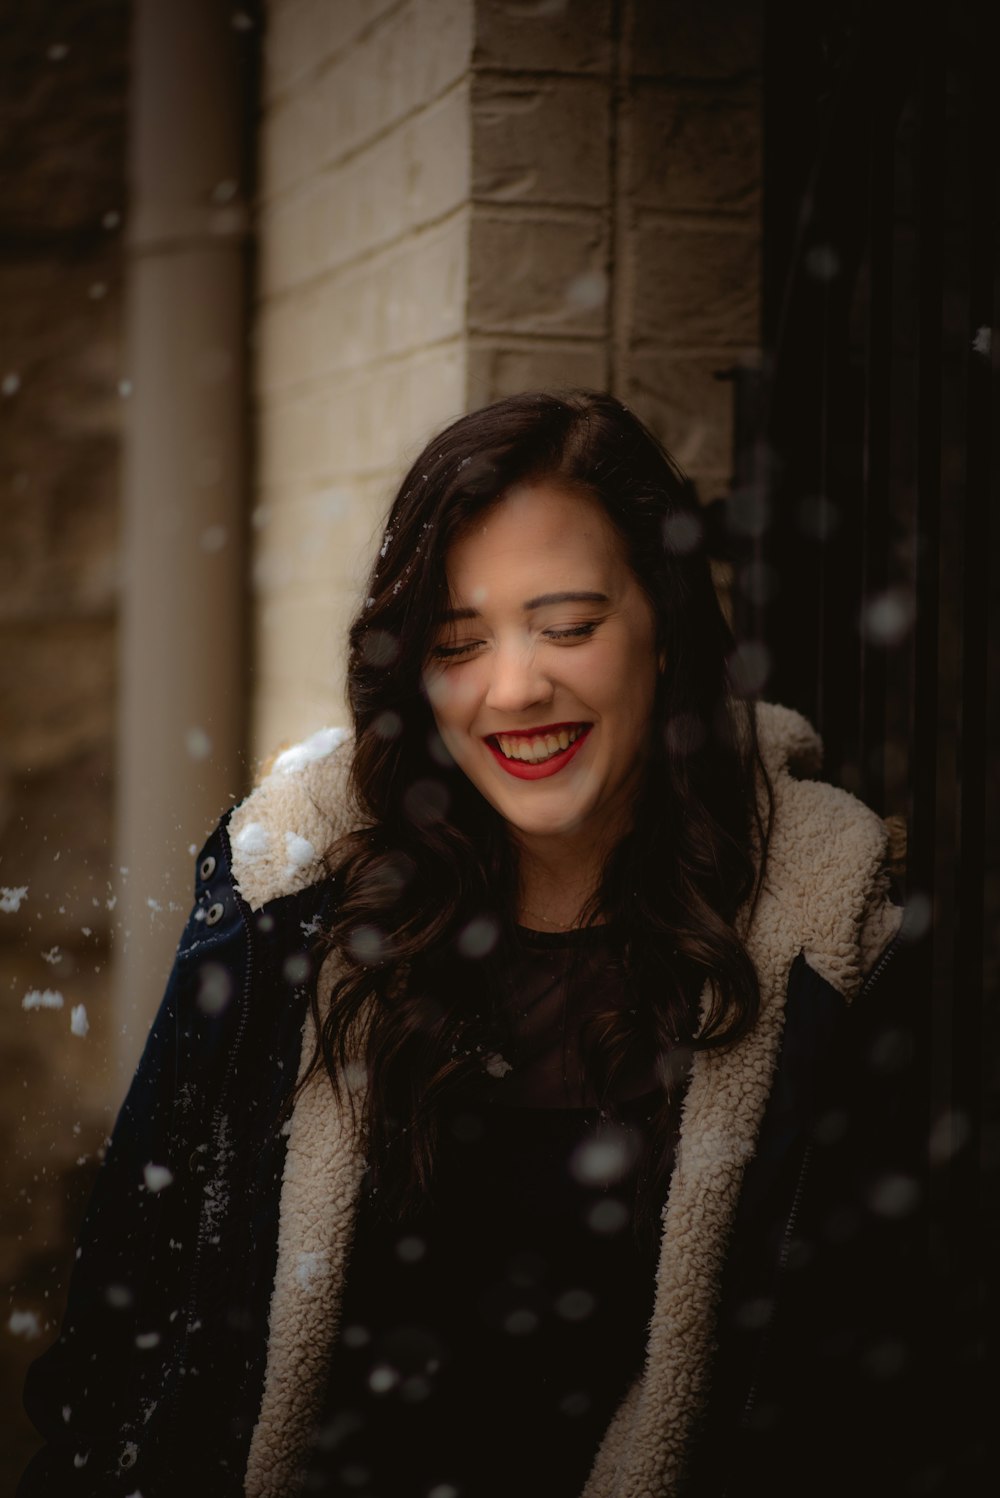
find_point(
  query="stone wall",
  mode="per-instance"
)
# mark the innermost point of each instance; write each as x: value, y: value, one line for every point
x: 458, y: 198
x: 688, y: 222
x: 465, y: 198
x: 616, y: 233
x: 62, y: 190
x: 363, y: 218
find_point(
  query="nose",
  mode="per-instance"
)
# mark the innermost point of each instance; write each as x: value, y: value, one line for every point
x: 517, y: 681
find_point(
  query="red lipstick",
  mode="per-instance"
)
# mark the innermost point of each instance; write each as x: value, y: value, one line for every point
x: 523, y: 771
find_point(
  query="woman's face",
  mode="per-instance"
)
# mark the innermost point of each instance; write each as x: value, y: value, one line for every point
x: 542, y: 673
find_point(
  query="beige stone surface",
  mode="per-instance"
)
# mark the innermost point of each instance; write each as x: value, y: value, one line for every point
x: 499, y: 367
x: 303, y: 35
x: 413, y: 176
x: 692, y: 151
x: 685, y: 403
x: 406, y: 57
x: 62, y: 92
x: 62, y: 149
x: 451, y: 209
x: 406, y: 297
x: 541, y: 140
x: 694, y: 287
x: 717, y: 43
x: 544, y: 196
x: 539, y: 35
x: 539, y: 273
x: 365, y: 163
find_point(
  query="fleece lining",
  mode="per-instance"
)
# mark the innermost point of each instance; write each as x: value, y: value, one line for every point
x: 826, y: 894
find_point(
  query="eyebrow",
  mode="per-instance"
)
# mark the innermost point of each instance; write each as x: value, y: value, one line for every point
x: 450, y: 616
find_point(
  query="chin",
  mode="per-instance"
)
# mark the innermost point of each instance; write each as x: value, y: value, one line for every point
x: 554, y: 824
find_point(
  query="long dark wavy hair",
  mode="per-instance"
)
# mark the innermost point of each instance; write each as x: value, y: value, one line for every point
x: 425, y: 891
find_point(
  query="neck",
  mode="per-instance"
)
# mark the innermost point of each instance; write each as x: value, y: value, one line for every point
x: 556, y: 880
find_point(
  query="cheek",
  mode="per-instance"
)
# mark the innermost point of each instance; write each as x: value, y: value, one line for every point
x: 451, y: 694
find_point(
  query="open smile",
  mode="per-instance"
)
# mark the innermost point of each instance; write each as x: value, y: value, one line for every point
x: 534, y: 753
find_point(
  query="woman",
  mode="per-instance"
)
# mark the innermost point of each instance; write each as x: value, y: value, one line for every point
x: 556, y: 1191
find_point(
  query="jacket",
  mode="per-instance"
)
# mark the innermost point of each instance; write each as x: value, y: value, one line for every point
x: 204, y: 1299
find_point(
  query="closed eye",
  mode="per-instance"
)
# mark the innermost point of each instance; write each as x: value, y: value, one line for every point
x: 578, y: 631
x: 452, y: 652
x: 457, y: 652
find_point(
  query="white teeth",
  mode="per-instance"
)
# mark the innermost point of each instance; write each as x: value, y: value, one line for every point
x: 541, y: 747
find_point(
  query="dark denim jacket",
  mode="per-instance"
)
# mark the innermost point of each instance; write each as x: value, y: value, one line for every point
x: 154, y: 1384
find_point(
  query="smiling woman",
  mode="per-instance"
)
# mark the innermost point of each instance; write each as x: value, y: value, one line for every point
x: 508, y: 1110
x: 550, y: 679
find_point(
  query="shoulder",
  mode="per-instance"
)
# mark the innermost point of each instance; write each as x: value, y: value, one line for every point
x: 277, y: 836
x: 829, y: 853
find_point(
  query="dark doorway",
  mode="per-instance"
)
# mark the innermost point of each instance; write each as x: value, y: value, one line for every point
x: 865, y: 522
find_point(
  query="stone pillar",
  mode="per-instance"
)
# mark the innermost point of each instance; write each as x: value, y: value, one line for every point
x: 181, y: 683
x: 465, y: 198
x: 364, y: 242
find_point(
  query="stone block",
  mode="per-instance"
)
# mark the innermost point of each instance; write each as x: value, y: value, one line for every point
x: 299, y: 666
x: 496, y: 369
x: 59, y: 542
x: 537, y: 275
x: 436, y: 146
x: 314, y: 538
x: 56, y: 840
x: 420, y: 299
x: 287, y: 242
x: 541, y: 140
x: 64, y: 86
x: 691, y: 153
x: 387, y: 411
x: 61, y: 332
x: 443, y: 32
x: 563, y: 36
x: 693, y: 288
x: 288, y: 432
x: 675, y: 39
x: 419, y: 52
x: 56, y: 690
x: 416, y: 174
x: 435, y: 395
x: 55, y: 1112
x: 303, y: 35
x: 292, y: 144
x: 688, y: 408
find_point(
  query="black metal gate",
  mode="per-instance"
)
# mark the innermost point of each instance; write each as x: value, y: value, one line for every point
x: 866, y: 507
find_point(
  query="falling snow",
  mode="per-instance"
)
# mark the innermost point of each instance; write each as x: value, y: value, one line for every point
x: 78, y: 1021
x: 42, y: 998
x: 24, y: 1324
x: 10, y: 899
x: 197, y: 743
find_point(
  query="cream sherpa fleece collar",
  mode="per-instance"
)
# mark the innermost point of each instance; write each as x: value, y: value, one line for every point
x: 826, y: 894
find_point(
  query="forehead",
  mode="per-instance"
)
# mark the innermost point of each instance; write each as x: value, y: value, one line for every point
x: 534, y: 532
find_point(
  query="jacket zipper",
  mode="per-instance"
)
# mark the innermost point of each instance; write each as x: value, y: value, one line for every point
x: 191, y: 1309
x: 793, y: 1214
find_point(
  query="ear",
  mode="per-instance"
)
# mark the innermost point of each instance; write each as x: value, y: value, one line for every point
x: 662, y: 661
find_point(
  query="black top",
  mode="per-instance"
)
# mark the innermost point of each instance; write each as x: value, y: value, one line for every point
x: 487, y: 1340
